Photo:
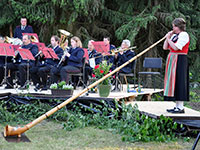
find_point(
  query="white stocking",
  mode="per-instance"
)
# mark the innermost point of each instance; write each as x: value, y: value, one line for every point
x: 179, y: 104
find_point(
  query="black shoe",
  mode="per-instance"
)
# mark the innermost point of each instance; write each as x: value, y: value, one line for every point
x: 170, y: 110
x: 8, y: 87
x: 37, y: 87
x: 178, y: 110
x: 45, y: 88
x: 24, y: 87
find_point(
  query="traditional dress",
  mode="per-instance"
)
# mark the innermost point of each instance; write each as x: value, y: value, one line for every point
x: 176, y: 81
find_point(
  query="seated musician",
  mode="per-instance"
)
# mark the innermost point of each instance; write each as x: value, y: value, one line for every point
x: 40, y: 78
x: 73, y: 61
x: 92, y: 53
x: 124, y: 56
x: 110, y: 58
x: 22, y: 65
x: 23, y: 28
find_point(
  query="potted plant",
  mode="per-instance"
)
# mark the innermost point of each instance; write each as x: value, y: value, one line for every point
x: 62, y: 89
x: 99, y: 71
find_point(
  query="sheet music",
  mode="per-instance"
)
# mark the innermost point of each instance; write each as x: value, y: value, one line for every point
x: 92, y: 62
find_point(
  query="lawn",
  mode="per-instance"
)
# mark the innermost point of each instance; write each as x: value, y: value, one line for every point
x: 50, y: 135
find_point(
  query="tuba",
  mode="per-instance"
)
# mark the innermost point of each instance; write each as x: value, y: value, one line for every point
x: 14, y: 41
x: 63, y: 38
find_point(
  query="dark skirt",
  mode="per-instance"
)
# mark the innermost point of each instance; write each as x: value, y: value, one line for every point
x: 181, y: 92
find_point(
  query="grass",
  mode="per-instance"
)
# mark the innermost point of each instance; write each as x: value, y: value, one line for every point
x: 50, y: 135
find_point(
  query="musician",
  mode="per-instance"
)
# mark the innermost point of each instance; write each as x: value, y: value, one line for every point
x: 40, y: 78
x: 23, y: 28
x: 176, y: 82
x: 110, y: 58
x: 73, y: 61
x: 92, y: 53
x: 124, y: 56
x: 22, y: 65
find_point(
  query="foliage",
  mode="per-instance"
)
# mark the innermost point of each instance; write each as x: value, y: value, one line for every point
x: 11, y: 112
x: 61, y: 85
x: 101, y: 70
x: 132, y: 126
x: 142, y: 22
x: 129, y: 123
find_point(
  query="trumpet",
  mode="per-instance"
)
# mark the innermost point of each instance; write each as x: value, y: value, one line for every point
x: 114, y: 51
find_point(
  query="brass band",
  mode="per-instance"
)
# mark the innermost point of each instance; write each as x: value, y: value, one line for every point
x: 43, y: 71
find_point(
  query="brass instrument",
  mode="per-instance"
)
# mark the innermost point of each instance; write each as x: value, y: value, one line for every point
x: 34, y: 39
x: 62, y: 58
x: 14, y: 41
x: 114, y: 51
x: 63, y: 37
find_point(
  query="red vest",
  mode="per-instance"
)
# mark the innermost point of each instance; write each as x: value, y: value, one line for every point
x: 184, y: 49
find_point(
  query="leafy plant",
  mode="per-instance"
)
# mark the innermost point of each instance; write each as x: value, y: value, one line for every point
x: 101, y: 70
x: 61, y: 85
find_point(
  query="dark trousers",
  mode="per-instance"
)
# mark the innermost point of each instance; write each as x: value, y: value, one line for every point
x: 55, y: 74
x: 1, y: 73
x: 12, y: 68
x: 63, y: 72
x: 88, y: 72
x: 40, y: 74
x: 34, y: 75
x: 43, y: 74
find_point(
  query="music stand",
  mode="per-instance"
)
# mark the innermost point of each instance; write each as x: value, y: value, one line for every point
x: 26, y: 55
x: 6, y: 50
x: 49, y: 53
x: 86, y: 54
x: 32, y: 34
x: 100, y: 47
x: 40, y: 45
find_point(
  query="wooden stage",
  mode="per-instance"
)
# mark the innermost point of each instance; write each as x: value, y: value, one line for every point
x: 151, y: 108
x: 157, y: 108
x: 117, y: 95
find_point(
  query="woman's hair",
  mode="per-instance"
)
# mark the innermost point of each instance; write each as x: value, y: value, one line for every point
x: 78, y: 41
x: 180, y: 23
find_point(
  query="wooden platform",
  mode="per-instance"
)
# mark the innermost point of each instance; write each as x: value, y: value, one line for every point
x: 157, y: 108
x: 151, y: 108
x: 114, y: 95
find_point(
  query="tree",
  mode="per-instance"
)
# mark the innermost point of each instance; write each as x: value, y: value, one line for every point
x: 141, y: 21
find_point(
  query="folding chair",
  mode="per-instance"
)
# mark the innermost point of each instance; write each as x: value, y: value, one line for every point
x: 151, y: 63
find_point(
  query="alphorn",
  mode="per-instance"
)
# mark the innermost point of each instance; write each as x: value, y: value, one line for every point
x: 10, y: 131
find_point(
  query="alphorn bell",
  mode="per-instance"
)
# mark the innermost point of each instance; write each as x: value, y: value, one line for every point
x: 9, y: 131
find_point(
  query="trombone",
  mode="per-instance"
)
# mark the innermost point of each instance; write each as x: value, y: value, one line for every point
x: 117, y: 50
